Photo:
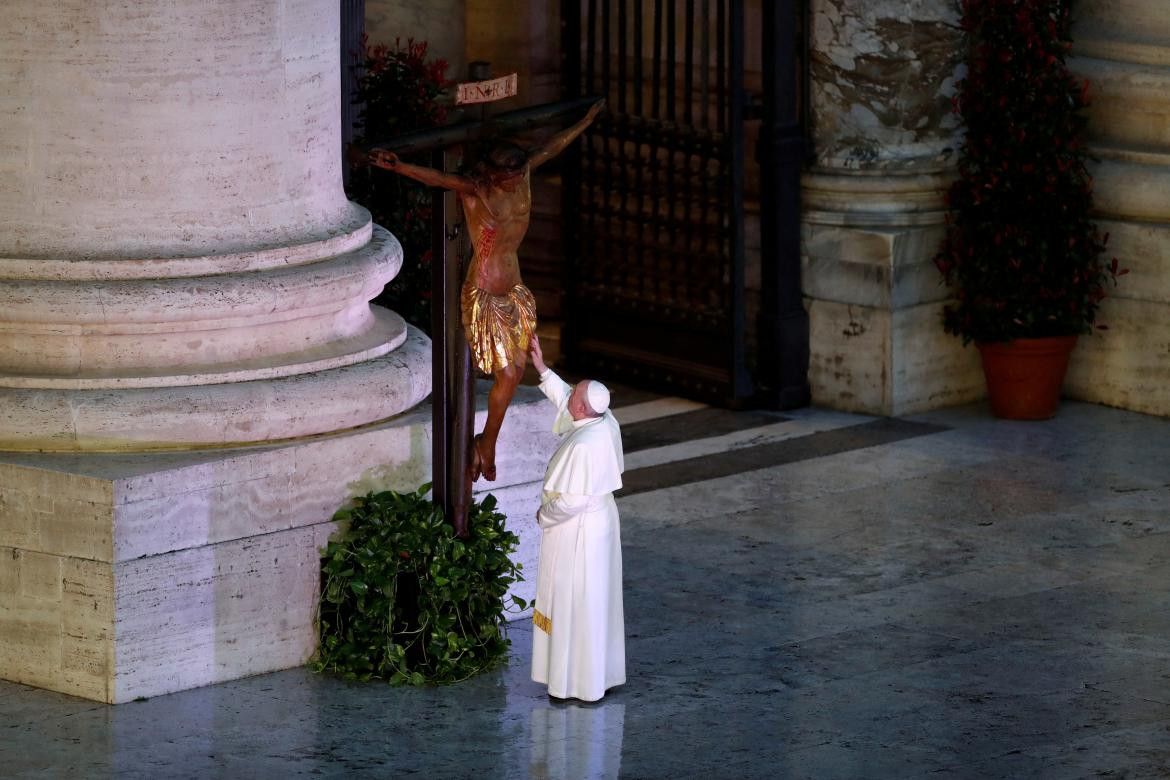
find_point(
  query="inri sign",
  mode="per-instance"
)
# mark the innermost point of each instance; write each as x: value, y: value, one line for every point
x: 486, y: 91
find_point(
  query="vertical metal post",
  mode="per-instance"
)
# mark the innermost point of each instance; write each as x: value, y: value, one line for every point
x: 689, y: 64
x: 671, y: 59
x: 606, y: 57
x: 705, y: 63
x: 452, y: 382
x: 623, y: 83
x: 740, y: 380
x: 656, y: 65
x: 783, y: 322
x: 440, y: 373
x: 721, y: 64
x: 638, y: 59
x: 590, y: 46
x: 461, y: 401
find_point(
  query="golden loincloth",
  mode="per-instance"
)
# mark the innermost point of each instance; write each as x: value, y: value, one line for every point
x: 498, y: 327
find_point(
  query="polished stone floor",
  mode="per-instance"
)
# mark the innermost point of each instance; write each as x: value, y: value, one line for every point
x: 813, y: 595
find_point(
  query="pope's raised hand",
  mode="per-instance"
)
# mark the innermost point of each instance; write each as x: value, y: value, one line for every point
x: 537, y: 354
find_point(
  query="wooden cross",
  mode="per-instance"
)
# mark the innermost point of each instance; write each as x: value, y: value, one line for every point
x: 453, y: 383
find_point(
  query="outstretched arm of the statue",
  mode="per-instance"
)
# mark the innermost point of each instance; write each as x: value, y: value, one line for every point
x: 561, y: 140
x: 429, y: 176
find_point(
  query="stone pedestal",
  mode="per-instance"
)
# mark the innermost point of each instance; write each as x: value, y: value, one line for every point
x: 129, y: 574
x: 873, y: 208
x: 1123, y: 49
x: 180, y: 271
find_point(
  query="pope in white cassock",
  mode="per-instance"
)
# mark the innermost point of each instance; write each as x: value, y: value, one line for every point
x: 578, y: 643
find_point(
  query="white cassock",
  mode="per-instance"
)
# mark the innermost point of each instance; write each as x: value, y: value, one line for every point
x: 578, y: 641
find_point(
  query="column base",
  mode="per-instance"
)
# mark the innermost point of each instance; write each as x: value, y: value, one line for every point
x: 126, y: 575
x: 875, y: 298
x: 875, y: 360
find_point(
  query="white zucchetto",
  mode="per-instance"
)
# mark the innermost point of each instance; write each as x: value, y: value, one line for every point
x: 597, y: 396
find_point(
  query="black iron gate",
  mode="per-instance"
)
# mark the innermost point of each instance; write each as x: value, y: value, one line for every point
x: 654, y: 200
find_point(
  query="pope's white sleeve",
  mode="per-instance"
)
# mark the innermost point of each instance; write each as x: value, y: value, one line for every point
x: 554, y: 388
x: 561, y: 507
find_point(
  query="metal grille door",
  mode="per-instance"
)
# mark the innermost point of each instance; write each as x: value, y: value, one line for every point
x: 654, y: 195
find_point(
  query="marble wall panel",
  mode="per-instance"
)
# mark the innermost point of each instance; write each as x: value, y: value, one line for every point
x: 56, y: 622
x: 69, y: 518
x: 40, y: 576
x: 1144, y: 249
x: 932, y: 368
x: 87, y: 627
x: 1128, y: 365
x: 872, y: 266
x: 519, y: 503
x: 850, y: 360
x: 441, y: 23
x: 876, y: 360
x: 217, y: 612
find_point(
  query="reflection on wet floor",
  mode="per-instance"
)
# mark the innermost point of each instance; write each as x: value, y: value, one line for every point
x: 944, y: 596
x: 576, y: 740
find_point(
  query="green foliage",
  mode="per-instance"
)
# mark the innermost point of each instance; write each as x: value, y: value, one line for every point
x: 404, y: 600
x: 400, y: 90
x: 1021, y: 253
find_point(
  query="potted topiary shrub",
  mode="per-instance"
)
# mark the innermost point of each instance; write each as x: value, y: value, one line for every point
x: 1021, y: 253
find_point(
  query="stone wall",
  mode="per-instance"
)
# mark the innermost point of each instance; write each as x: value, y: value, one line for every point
x: 885, y: 141
x: 1123, y: 48
x: 441, y: 23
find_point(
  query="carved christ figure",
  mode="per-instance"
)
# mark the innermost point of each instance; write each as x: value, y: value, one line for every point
x: 499, y: 312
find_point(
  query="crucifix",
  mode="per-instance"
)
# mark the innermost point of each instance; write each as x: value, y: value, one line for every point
x: 497, y: 313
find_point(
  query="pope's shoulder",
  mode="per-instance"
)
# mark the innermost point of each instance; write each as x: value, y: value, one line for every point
x: 603, y: 429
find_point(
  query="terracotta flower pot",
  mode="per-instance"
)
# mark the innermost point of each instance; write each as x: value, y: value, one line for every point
x: 1024, y: 376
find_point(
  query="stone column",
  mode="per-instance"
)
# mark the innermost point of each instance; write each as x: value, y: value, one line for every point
x: 1123, y: 49
x: 179, y: 271
x: 885, y: 143
x: 179, y: 265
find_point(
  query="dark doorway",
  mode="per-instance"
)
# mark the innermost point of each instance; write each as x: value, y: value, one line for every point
x: 654, y: 209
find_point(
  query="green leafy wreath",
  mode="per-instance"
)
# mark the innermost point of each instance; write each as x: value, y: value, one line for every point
x: 404, y: 600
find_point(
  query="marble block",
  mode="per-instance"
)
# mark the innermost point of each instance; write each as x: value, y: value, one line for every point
x: 880, y: 361
x: 137, y: 574
x: 872, y: 266
x: 1128, y: 365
